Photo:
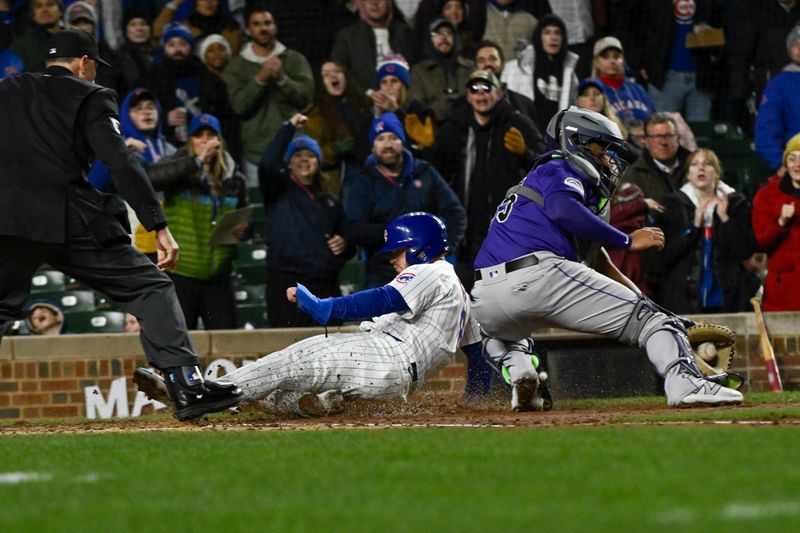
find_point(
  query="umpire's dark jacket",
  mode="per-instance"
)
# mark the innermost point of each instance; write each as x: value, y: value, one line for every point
x: 52, y: 126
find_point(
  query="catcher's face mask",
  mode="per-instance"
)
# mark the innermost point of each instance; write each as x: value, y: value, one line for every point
x: 609, y: 159
x: 593, y: 145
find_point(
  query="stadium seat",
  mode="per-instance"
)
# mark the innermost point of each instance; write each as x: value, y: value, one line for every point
x: 742, y: 166
x: 249, y: 264
x: 251, y: 316
x: 249, y: 295
x: 103, y: 302
x: 48, y: 280
x: 351, y: 278
x: 250, y: 254
x: 259, y: 223
x: 716, y: 130
x: 94, y: 322
x: 253, y: 195
x: 75, y: 285
x: 259, y: 213
x: 69, y: 300
x: 250, y: 275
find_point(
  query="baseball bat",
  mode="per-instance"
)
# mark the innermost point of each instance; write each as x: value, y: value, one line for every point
x: 766, y: 348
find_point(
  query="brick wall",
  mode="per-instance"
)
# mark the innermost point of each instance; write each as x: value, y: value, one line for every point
x: 47, y: 377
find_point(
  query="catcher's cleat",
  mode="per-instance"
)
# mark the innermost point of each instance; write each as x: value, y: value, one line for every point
x: 187, y: 400
x: 685, y: 387
x: 311, y: 405
x: 543, y: 391
x: 523, y: 393
x: 543, y: 397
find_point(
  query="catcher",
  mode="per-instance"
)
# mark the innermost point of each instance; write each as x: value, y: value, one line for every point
x: 543, y: 265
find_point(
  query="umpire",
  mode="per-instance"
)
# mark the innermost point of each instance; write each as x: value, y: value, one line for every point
x: 53, y: 125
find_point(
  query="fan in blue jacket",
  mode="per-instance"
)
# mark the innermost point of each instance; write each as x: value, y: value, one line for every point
x: 779, y: 113
x: 391, y: 184
x: 140, y: 123
x: 305, y: 224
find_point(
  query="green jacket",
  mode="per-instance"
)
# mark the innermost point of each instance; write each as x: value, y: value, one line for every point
x: 264, y: 108
x: 192, y: 212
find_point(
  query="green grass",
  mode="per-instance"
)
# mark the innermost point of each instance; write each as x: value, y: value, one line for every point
x: 750, y: 399
x: 642, y: 478
x: 753, y: 414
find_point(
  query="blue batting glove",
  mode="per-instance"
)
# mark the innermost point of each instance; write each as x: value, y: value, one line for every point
x: 320, y: 310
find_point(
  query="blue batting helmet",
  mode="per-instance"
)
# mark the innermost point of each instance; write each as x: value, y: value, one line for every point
x: 423, y: 234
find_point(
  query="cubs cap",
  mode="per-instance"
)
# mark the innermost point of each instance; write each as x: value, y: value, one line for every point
x: 395, y: 65
x: 386, y: 123
x: 590, y: 82
x: 605, y: 43
x: 74, y: 43
x: 205, y: 120
x: 303, y: 142
x: 484, y: 75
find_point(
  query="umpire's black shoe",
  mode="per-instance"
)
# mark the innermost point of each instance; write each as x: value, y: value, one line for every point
x: 194, y: 397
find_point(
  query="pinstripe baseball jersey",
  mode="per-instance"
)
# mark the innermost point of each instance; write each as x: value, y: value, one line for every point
x: 389, y: 358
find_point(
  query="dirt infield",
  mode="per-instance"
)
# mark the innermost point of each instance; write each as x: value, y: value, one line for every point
x: 425, y: 410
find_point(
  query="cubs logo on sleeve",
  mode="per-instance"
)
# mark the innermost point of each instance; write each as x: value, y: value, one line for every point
x: 406, y: 277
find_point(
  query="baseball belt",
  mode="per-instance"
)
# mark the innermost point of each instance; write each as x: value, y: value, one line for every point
x: 511, y: 266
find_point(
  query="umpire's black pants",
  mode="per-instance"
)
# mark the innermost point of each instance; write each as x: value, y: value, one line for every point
x: 116, y: 269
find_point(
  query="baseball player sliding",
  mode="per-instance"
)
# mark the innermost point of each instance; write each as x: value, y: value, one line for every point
x: 531, y: 270
x: 423, y: 316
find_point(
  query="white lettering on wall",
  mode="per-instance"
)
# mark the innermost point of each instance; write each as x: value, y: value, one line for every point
x: 143, y: 401
x: 117, y: 400
x: 116, y: 403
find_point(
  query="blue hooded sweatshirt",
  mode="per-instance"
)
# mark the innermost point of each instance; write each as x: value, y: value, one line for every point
x: 157, y: 145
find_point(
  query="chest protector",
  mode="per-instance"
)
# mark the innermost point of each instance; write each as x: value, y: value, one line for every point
x: 586, y: 250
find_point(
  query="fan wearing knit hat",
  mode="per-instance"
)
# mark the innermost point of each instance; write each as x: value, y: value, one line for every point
x: 201, y: 19
x: 776, y: 208
x: 305, y: 223
x: 392, y: 82
x: 83, y: 16
x: 215, y: 52
x: 392, y: 182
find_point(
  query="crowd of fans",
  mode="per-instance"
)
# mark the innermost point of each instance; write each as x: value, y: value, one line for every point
x: 347, y: 113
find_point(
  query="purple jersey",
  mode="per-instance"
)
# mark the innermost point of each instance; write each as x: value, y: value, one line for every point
x: 521, y: 226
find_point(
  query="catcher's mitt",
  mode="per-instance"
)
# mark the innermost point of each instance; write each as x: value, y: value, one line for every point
x: 714, y: 347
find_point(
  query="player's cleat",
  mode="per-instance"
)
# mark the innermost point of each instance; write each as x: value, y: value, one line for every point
x: 311, y: 405
x: 543, y: 398
x: 543, y: 391
x: 523, y: 393
x: 187, y: 400
x: 153, y: 386
x: 685, y: 387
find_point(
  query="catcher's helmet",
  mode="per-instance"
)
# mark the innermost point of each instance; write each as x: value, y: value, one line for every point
x: 593, y: 146
x: 423, y: 234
